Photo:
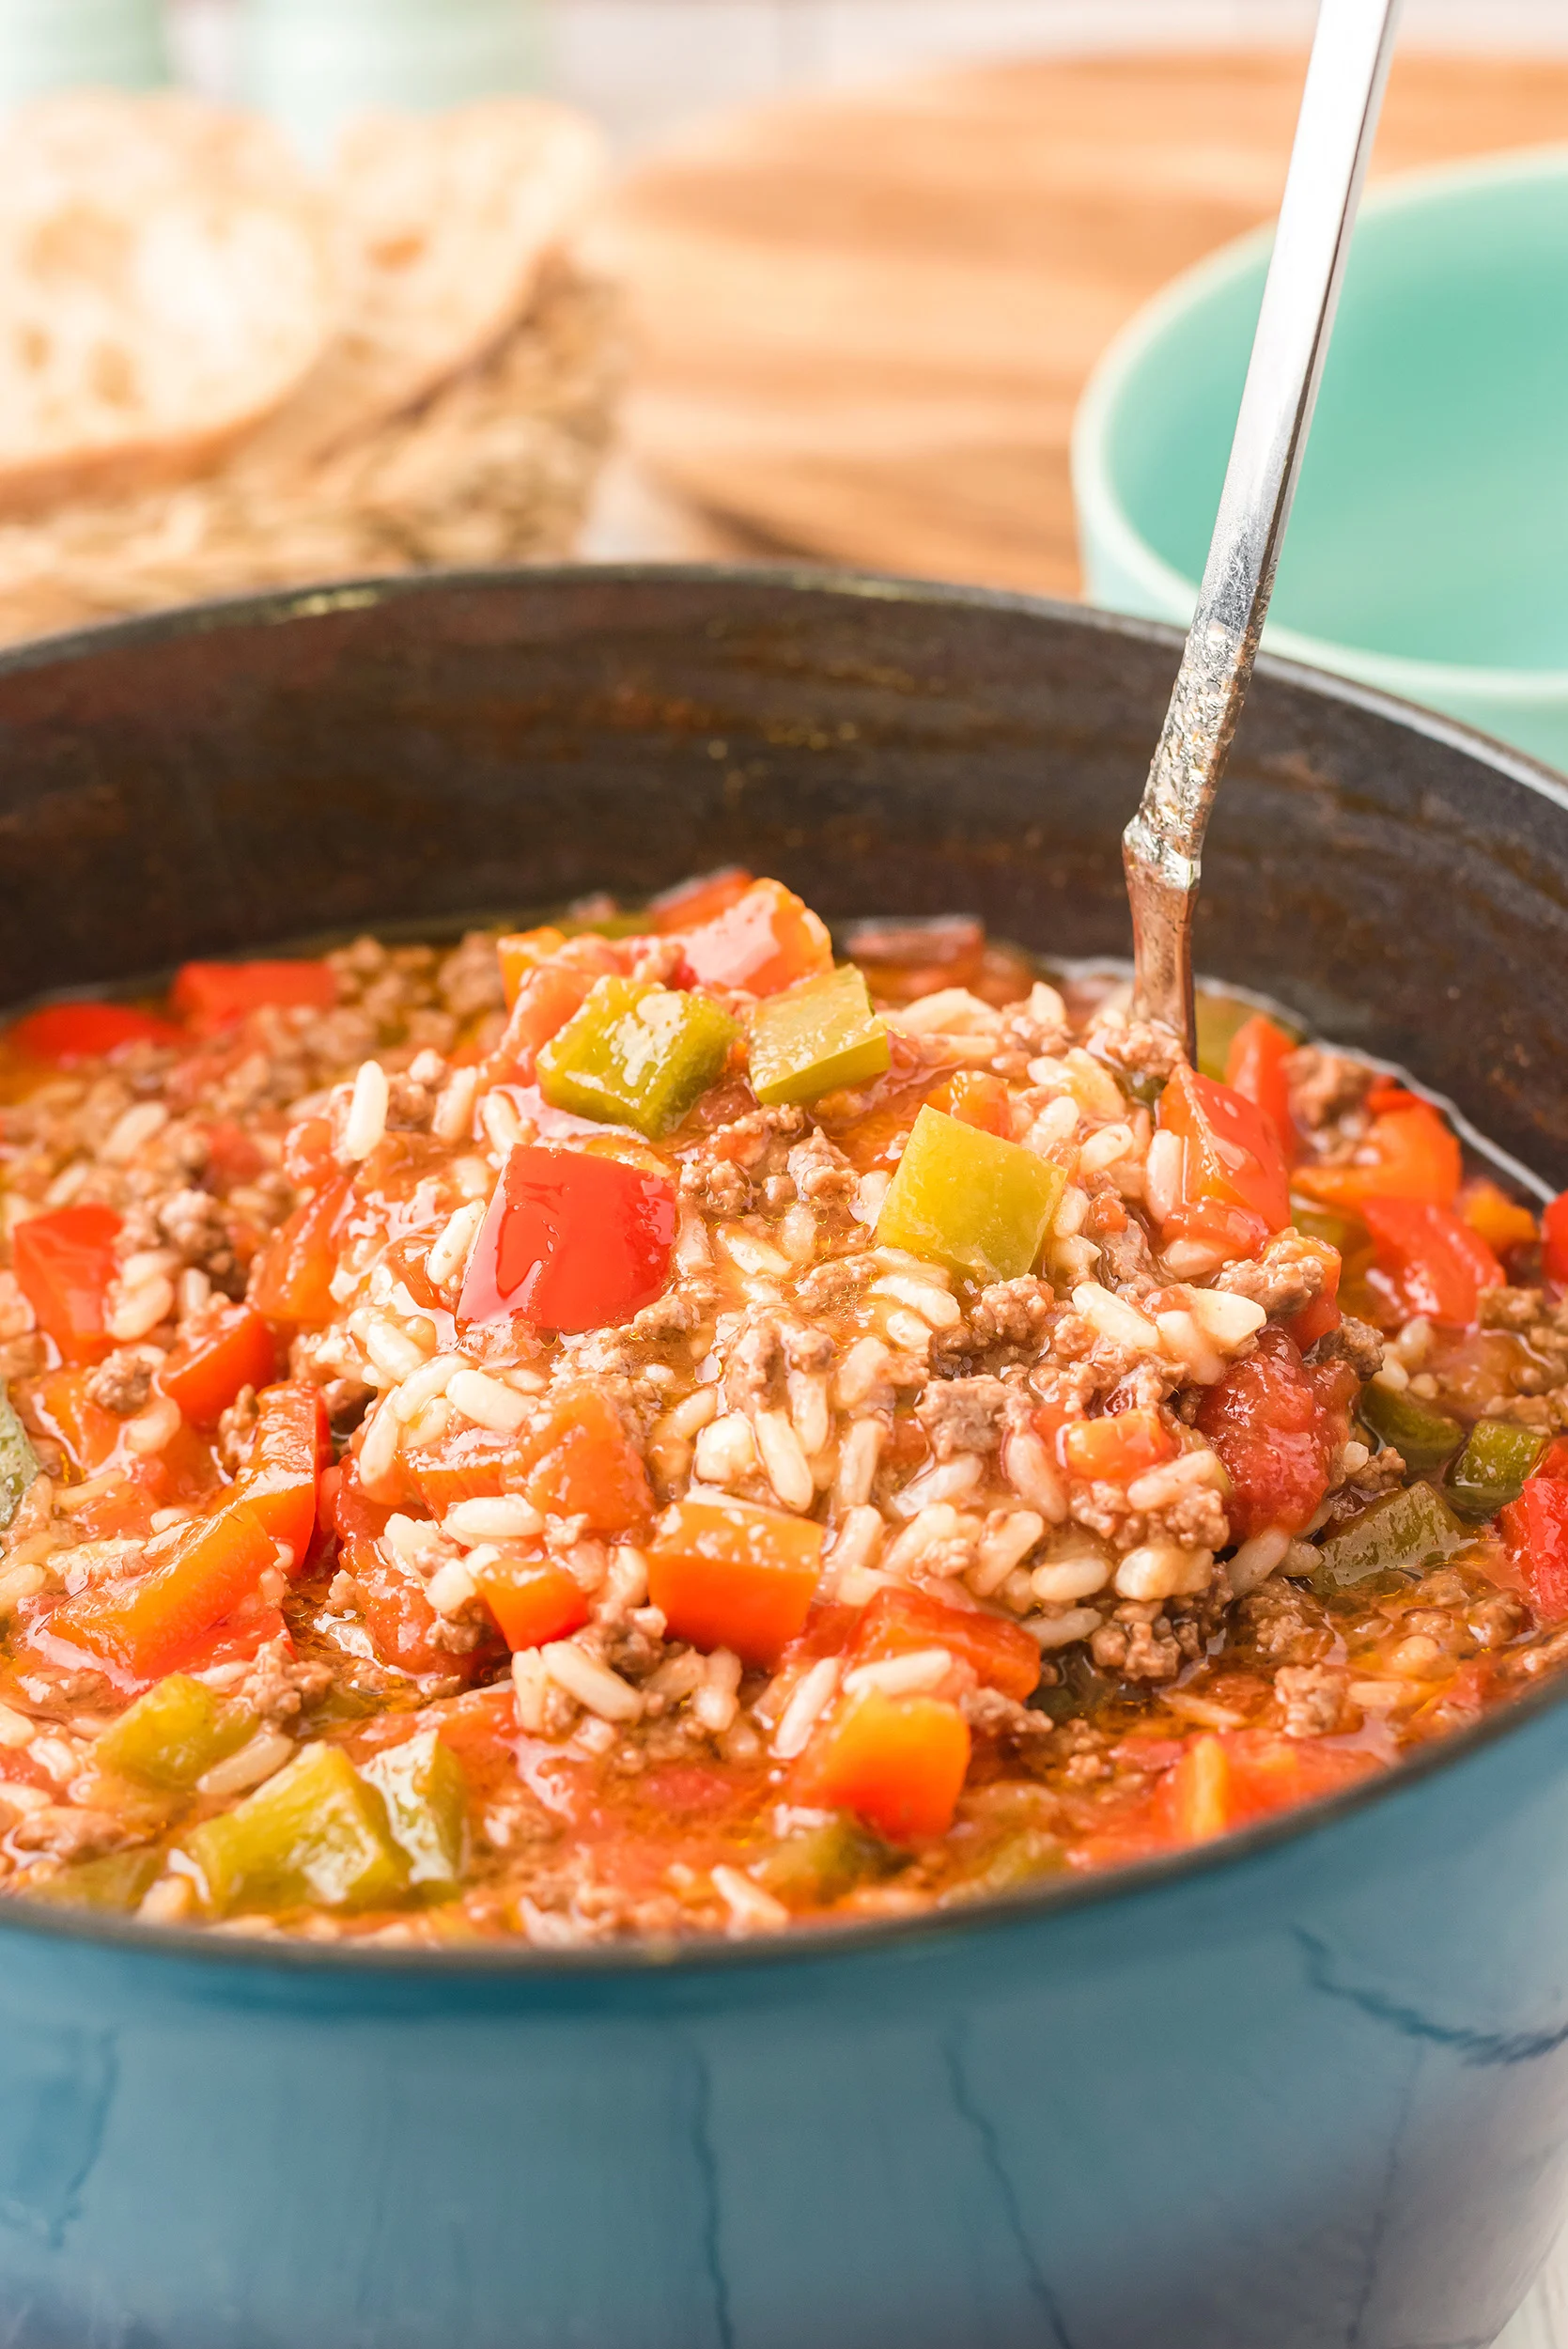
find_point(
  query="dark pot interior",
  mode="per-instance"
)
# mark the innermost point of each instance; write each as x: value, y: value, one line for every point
x: 430, y: 749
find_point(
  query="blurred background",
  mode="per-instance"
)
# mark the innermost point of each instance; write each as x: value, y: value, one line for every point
x: 866, y: 280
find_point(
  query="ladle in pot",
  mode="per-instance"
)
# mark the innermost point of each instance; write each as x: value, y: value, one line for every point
x: 1162, y: 847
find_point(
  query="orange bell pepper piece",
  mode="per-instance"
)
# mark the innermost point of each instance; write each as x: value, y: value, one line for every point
x: 290, y: 1448
x: 728, y: 1574
x: 534, y: 1600
x: 87, y: 1432
x: 693, y: 902
x: 1408, y: 1153
x: 1114, y: 1451
x: 1441, y: 1264
x: 64, y: 1263
x: 399, y: 1616
x: 289, y: 1280
x: 226, y: 1350
x: 150, y: 1624
x: 1255, y: 1068
x: 899, y: 1762
x: 474, y: 1468
x: 900, y: 1622
x: 579, y: 1461
x: 1501, y: 1222
x: 975, y: 1099
x: 1231, y: 1155
x: 765, y: 940
x: 523, y: 951
x: 215, y: 995
x: 547, y: 996
x: 1198, y: 1791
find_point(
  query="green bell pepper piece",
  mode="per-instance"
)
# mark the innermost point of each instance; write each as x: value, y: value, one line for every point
x: 1423, y: 1438
x: 1216, y: 1019
x: 173, y: 1733
x: 18, y: 1462
x: 1491, y: 1469
x: 814, y: 1036
x: 636, y: 1055
x: 316, y: 1834
x: 1401, y: 1531
x: 968, y: 1200
x: 818, y: 1866
x: 1021, y: 1858
x: 426, y: 1793
x: 118, y: 1880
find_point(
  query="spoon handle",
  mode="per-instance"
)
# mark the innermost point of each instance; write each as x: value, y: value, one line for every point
x: 1162, y: 847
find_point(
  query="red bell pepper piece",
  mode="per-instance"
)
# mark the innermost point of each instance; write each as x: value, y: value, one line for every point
x: 546, y: 997
x: 570, y: 1241
x: 765, y: 940
x: 899, y: 1622
x: 289, y: 1280
x: 534, y: 1600
x: 63, y: 1033
x: 1277, y: 1426
x: 1534, y: 1529
x: 728, y: 1574
x: 150, y: 1624
x: 1408, y: 1153
x: 64, y: 1263
x: 1231, y: 1154
x: 289, y: 1449
x: 226, y: 1349
x: 1553, y: 1237
x: 1255, y: 1068
x: 693, y: 902
x: 217, y: 995
x: 898, y: 1761
x: 1315, y: 1320
x: 1441, y: 1264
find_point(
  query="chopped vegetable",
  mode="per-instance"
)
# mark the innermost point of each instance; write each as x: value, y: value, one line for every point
x: 570, y: 1241
x: 546, y: 999
x: 1255, y: 1068
x: 1315, y: 1320
x: 117, y: 1880
x: 576, y: 1459
x: 1117, y: 1449
x: 291, y: 1279
x: 1535, y: 1531
x: 1408, y: 1153
x: 215, y: 995
x: 1554, y: 1235
x: 1491, y: 1470
x: 521, y: 952
x: 1231, y: 1156
x: 1199, y: 1791
x: 1423, y: 1436
x: 63, y: 1033
x: 1399, y: 1532
x: 765, y: 940
x: 975, y: 1099
x: 174, y: 1735
x: 1439, y: 1264
x: 64, y: 1263
x: 728, y: 1574
x: 533, y: 1599
x: 898, y: 1763
x: 968, y: 1200
x: 290, y: 1446
x: 818, y: 1034
x: 636, y: 1055
x: 694, y: 902
x: 424, y: 1787
x: 18, y: 1462
x: 900, y: 1622
x: 149, y: 1625
x: 315, y: 1832
x: 228, y: 1348
x: 1501, y: 1222
x: 1277, y: 1426
x: 820, y: 1864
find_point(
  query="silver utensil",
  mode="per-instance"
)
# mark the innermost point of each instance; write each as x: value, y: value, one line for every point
x: 1162, y: 847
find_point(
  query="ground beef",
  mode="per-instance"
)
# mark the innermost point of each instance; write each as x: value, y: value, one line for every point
x: 1012, y: 1312
x: 1125, y: 1250
x: 123, y: 1380
x: 1353, y: 1342
x: 1324, y: 1085
x: 193, y: 1222
x: 280, y: 1683
x: 1144, y: 1048
x: 236, y: 1427
x: 1288, y: 1275
x: 468, y: 981
x: 1283, y: 1624
x: 821, y: 1173
x: 1510, y: 1308
x: 716, y: 1185
x: 1135, y: 1648
x: 1313, y: 1698
x: 963, y: 1414
x: 992, y: 1715
x: 67, y: 1832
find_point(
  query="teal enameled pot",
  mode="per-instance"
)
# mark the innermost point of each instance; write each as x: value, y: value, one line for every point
x: 1304, y: 2090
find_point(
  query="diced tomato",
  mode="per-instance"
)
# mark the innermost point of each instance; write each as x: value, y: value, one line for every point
x: 85, y: 1429
x: 1225, y: 1782
x: 289, y: 1449
x: 399, y: 1616
x: 975, y: 1099
x: 226, y: 1349
x: 1534, y: 1529
x: 727, y: 1574
x: 1276, y: 1427
x: 64, y: 1263
x: 570, y: 1241
x: 355, y: 1518
x: 1229, y: 1230
x: 534, y: 1600
x: 1441, y: 1264
x: 63, y: 1033
x: 1114, y: 1451
x: 577, y: 1460
x: 523, y: 951
x: 1554, y: 1234
x: 765, y: 940
x: 1501, y: 1222
x: 898, y: 1622
x: 1408, y: 1152
x: 1231, y: 1153
x: 150, y: 1624
x: 474, y: 1468
x: 545, y: 1000
x: 899, y: 1762
x: 290, y: 1278
x: 307, y: 1153
x: 233, y: 1157
x: 214, y: 995
x: 1315, y: 1320
x: 1255, y: 1068
x: 241, y: 1636
x: 693, y: 902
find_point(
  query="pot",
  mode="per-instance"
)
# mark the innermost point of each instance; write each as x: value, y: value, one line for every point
x: 1308, y: 2086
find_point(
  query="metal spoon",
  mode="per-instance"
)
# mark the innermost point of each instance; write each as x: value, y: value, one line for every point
x: 1162, y: 847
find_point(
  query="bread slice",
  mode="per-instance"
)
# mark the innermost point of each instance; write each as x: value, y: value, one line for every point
x: 164, y: 286
x: 443, y: 225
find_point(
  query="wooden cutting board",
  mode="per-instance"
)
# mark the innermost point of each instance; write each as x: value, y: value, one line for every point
x: 864, y: 321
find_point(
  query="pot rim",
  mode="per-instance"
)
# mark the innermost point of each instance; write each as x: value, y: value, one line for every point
x: 806, y: 1943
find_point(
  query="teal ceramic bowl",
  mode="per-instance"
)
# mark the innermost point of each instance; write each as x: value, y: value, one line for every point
x: 1428, y: 551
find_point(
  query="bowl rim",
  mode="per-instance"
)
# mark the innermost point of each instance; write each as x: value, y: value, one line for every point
x: 1102, y: 515
x: 863, y: 1939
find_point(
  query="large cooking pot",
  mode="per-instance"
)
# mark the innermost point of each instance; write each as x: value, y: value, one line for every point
x: 1307, y: 2088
